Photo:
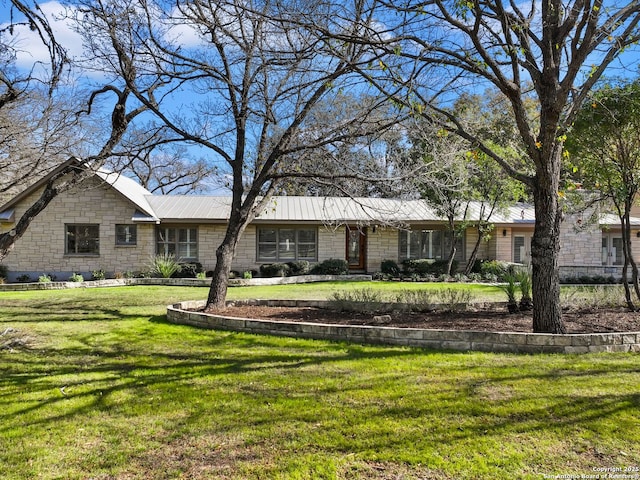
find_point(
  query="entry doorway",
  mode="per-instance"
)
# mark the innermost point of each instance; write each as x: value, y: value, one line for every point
x: 612, y: 250
x: 522, y: 248
x: 356, y: 247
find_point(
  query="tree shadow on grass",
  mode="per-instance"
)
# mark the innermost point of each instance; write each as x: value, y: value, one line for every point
x: 376, y: 399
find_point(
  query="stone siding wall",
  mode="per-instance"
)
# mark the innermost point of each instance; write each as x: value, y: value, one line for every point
x: 580, y: 244
x: 382, y: 245
x: 42, y: 248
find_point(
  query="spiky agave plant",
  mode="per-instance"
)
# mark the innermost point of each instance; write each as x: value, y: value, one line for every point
x: 510, y: 287
x: 524, y: 279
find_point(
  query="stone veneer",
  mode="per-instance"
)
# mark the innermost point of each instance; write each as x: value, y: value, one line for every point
x: 186, y: 313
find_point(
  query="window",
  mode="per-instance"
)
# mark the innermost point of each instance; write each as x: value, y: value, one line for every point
x: 178, y: 241
x: 126, y: 235
x: 287, y: 244
x: 82, y: 239
x: 429, y: 244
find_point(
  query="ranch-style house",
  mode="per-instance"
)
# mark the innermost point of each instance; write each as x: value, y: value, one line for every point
x: 112, y: 223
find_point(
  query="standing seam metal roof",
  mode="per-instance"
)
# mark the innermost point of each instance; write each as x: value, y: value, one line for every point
x: 317, y: 209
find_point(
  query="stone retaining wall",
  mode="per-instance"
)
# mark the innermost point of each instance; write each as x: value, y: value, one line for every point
x: 510, y: 342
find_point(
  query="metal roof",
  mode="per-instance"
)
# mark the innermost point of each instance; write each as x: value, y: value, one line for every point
x: 131, y: 189
x: 183, y: 208
x: 213, y: 209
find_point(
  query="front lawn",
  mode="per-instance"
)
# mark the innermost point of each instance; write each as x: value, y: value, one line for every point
x: 324, y: 290
x: 95, y: 384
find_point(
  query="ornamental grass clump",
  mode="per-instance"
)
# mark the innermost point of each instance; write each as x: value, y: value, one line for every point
x: 454, y: 299
x: 164, y: 266
x: 365, y: 300
x: 416, y: 300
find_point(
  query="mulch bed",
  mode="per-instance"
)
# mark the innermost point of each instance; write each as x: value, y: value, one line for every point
x: 485, y: 319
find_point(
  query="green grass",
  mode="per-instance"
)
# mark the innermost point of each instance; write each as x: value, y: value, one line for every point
x: 324, y: 290
x: 105, y: 388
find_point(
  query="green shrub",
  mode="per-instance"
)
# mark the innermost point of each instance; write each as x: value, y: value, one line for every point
x: 477, y: 265
x: 499, y: 268
x: 44, y: 278
x: 390, y: 267
x: 274, y: 270
x: 201, y: 275
x: 424, y: 267
x: 301, y: 267
x: 24, y: 278
x: 76, y: 277
x: 332, y: 266
x: 97, y: 274
x: 420, y: 267
x: 439, y: 267
x: 248, y: 275
x: 164, y: 266
x: 188, y: 270
x: 4, y: 271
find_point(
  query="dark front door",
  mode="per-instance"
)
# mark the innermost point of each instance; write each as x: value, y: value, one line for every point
x: 356, y: 247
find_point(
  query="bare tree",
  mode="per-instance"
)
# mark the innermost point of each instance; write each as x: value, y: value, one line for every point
x: 360, y: 166
x: 548, y: 53
x: 33, y: 123
x: 35, y: 140
x: 249, y: 73
x: 152, y: 157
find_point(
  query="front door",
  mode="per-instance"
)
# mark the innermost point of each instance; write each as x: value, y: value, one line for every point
x: 522, y: 248
x: 612, y: 253
x: 356, y: 247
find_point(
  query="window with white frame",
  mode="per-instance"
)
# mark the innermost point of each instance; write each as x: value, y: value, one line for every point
x: 429, y: 244
x: 82, y: 239
x: 182, y: 242
x: 126, y: 235
x: 287, y: 244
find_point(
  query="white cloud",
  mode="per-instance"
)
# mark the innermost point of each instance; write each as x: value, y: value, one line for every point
x: 29, y: 47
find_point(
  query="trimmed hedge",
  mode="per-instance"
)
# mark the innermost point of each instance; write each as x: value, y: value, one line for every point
x: 188, y: 270
x: 274, y: 270
x: 424, y: 267
x: 333, y: 266
x: 390, y: 267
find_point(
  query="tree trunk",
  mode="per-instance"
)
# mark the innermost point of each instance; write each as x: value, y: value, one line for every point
x: 219, y: 283
x: 628, y: 255
x: 625, y: 267
x: 452, y: 254
x: 474, y: 253
x: 224, y: 257
x: 545, y: 249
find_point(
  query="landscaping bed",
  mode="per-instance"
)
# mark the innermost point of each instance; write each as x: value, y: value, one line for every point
x: 492, y: 318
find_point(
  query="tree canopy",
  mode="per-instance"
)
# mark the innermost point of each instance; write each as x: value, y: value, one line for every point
x: 546, y: 54
x: 605, y: 147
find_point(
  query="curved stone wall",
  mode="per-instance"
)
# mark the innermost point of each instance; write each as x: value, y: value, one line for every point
x: 184, y: 313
